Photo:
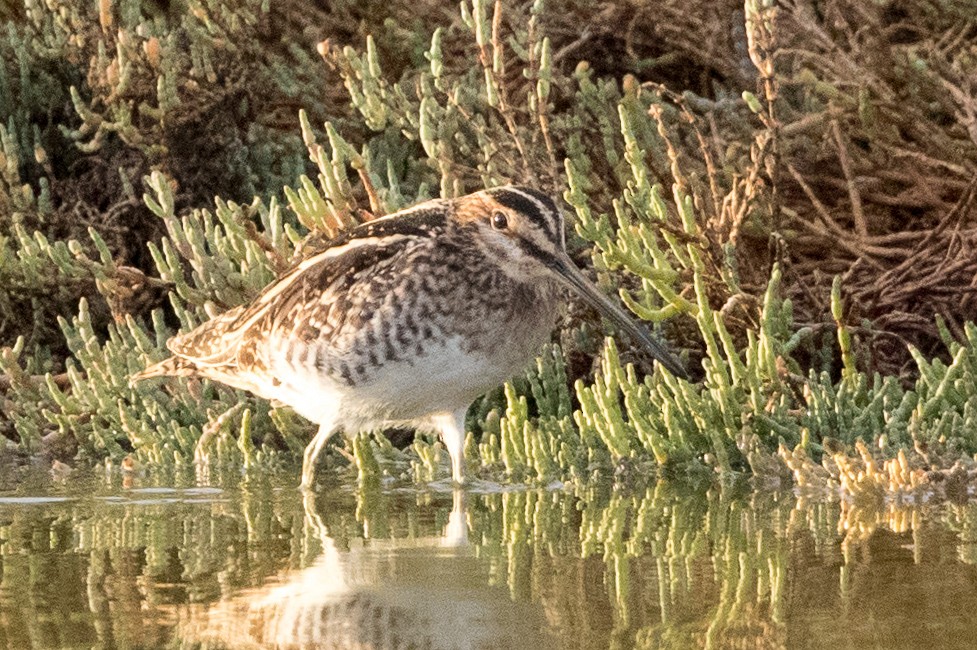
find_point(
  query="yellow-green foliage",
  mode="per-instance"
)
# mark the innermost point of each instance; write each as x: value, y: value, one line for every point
x: 94, y: 96
x: 447, y: 127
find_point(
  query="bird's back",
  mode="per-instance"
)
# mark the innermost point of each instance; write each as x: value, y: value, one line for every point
x: 311, y: 302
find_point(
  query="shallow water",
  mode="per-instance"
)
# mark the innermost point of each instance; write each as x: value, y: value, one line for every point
x: 93, y: 564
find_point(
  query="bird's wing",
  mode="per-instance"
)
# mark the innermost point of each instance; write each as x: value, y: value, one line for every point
x: 210, y: 341
x: 315, y: 293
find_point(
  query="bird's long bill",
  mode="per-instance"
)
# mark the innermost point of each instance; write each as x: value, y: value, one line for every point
x: 579, y: 283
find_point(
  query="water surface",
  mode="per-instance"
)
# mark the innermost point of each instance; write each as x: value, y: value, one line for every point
x: 91, y: 564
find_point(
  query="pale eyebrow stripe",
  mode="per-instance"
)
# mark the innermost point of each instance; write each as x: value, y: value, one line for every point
x: 528, y: 204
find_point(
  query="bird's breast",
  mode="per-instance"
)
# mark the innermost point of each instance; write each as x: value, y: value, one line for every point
x: 423, y: 349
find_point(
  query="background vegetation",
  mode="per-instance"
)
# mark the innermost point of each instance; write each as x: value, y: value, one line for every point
x: 787, y: 189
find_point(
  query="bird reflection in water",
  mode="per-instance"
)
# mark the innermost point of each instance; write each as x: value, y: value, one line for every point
x: 428, y: 592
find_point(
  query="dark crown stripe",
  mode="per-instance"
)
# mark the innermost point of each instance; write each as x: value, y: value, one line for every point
x: 532, y: 203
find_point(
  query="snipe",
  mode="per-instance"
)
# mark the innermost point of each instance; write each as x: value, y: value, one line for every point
x: 404, y: 320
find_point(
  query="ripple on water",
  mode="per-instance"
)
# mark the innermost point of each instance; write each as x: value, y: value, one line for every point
x: 33, y: 500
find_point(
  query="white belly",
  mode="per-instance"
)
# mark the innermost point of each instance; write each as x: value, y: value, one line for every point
x: 443, y: 380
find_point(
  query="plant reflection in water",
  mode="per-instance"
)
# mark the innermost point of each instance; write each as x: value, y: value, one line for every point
x: 659, y: 566
x: 414, y: 592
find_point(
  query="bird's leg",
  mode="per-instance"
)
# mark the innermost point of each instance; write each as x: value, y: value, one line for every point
x: 312, y: 452
x: 451, y: 426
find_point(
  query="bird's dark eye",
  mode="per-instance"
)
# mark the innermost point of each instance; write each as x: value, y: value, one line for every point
x: 499, y: 221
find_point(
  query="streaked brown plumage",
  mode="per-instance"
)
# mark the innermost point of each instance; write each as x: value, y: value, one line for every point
x: 404, y: 320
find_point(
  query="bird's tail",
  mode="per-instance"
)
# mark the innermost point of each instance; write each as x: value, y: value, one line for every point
x: 172, y: 367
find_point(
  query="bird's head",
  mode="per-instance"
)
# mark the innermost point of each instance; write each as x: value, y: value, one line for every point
x: 518, y: 228
x: 522, y: 230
